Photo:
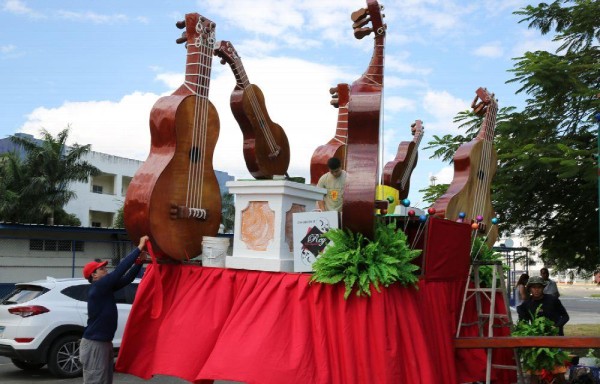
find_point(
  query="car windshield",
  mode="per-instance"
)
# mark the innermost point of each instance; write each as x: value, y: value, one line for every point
x: 23, y: 294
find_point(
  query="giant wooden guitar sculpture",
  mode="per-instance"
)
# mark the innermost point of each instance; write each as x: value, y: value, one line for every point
x: 474, y: 167
x: 266, y: 148
x: 174, y: 197
x: 364, y: 109
x: 396, y: 173
x: 336, y: 147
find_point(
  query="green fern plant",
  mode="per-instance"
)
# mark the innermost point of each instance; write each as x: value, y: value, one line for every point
x: 481, y: 252
x: 359, y: 262
x: 542, y: 358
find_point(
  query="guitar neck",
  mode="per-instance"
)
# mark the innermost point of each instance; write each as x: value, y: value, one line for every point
x: 198, y: 69
x: 488, y: 126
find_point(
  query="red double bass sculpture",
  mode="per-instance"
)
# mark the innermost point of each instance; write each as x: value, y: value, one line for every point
x: 266, y: 148
x: 475, y: 165
x: 336, y: 147
x: 396, y: 173
x: 174, y: 197
x: 364, y: 111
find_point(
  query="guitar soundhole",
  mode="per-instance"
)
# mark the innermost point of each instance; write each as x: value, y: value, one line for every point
x: 194, y: 154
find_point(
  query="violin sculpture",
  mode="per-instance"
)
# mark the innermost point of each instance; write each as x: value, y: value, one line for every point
x: 266, y: 148
x: 364, y: 111
x: 396, y: 173
x: 174, y: 197
x: 474, y: 167
x: 336, y: 147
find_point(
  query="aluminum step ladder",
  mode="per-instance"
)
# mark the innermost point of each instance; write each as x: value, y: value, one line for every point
x: 485, y: 321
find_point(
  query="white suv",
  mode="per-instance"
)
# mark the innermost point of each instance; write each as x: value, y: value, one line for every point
x: 42, y: 322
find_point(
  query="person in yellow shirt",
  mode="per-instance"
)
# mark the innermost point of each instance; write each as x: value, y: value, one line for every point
x: 334, y: 181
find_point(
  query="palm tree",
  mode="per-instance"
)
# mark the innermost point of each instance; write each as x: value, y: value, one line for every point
x: 52, y: 167
x: 13, y: 179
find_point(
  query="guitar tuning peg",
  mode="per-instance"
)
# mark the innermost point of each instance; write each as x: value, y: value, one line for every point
x: 356, y: 15
x: 182, y: 39
x: 333, y: 90
x: 335, y: 102
x: 362, y: 32
x: 180, y: 24
x: 223, y: 61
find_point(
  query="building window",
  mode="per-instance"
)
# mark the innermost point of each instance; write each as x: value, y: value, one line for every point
x: 96, y: 224
x: 54, y: 245
x: 96, y: 189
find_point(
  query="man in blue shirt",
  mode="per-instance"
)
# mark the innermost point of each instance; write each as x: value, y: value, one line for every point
x: 96, y: 348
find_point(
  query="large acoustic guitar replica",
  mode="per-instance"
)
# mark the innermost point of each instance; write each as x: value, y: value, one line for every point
x: 396, y: 173
x: 474, y: 167
x: 336, y: 147
x: 174, y: 197
x: 266, y: 148
x: 364, y: 111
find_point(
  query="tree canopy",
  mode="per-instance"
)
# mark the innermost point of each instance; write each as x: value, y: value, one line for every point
x: 546, y: 182
x: 34, y: 189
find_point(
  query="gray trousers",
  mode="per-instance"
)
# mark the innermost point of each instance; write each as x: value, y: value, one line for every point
x: 97, y: 358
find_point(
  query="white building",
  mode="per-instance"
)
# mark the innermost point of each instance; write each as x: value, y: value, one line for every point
x: 99, y: 199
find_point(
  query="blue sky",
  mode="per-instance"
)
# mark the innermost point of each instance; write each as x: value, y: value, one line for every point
x: 100, y: 66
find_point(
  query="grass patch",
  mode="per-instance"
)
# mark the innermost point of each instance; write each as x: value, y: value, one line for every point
x: 582, y: 330
x: 597, y: 295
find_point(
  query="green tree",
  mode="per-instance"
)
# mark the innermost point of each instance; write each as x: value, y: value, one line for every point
x: 14, y: 179
x: 120, y: 218
x: 227, y: 212
x: 546, y: 182
x: 50, y: 167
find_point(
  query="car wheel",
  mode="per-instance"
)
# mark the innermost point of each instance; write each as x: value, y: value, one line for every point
x: 26, y: 365
x: 63, y: 358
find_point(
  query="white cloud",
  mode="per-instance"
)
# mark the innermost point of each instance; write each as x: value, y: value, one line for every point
x: 444, y: 175
x: 20, y: 8
x: 299, y: 104
x: 492, y: 50
x: 4, y: 49
x: 443, y: 107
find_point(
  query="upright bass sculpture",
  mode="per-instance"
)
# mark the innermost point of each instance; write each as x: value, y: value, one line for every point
x: 474, y: 167
x: 174, y: 197
x: 336, y: 147
x: 266, y: 147
x: 396, y: 173
x: 364, y: 109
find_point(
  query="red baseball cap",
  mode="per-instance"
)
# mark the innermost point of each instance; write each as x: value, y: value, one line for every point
x: 91, y: 267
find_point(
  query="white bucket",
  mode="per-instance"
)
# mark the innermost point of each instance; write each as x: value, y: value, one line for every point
x: 214, y: 250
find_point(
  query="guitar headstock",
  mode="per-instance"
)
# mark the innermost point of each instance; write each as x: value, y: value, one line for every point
x: 199, y: 31
x: 372, y: 13
x: 226, y: 52
x: 482, y: 100
x: 340, y: 95
x: 417, y: 129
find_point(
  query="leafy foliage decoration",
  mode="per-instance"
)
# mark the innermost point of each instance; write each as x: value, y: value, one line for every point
x: 359, y: 262
x: 480, y: 251
x: 541, y: 358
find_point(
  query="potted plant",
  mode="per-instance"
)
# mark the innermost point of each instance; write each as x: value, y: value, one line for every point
x: 589, y: 360
x: 545, y: 365
x: 361, y: 263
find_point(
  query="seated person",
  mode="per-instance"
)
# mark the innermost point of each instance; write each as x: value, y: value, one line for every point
x: 551, y: 307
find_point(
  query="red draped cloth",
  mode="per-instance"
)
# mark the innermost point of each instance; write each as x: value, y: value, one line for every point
x: 204, y: 324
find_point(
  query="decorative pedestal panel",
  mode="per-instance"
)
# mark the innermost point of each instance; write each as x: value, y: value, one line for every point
x: 263, y: 235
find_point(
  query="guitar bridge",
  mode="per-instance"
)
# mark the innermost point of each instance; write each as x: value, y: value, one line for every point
x: 275, y: 153
x: 183, y: 212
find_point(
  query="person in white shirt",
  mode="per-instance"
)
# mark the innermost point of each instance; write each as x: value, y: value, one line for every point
x: 550, y: 288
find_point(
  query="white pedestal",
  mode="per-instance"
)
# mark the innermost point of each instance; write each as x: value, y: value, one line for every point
x: 263, y: 234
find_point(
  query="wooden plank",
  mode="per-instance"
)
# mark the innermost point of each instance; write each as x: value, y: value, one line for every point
x: 528, y: 341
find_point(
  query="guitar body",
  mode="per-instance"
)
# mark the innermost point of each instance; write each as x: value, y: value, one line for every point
x: 174, y: 197
x: 395, y: 170
x: 257, y: 152
x: 161, y: 181
x: 467, y: 185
